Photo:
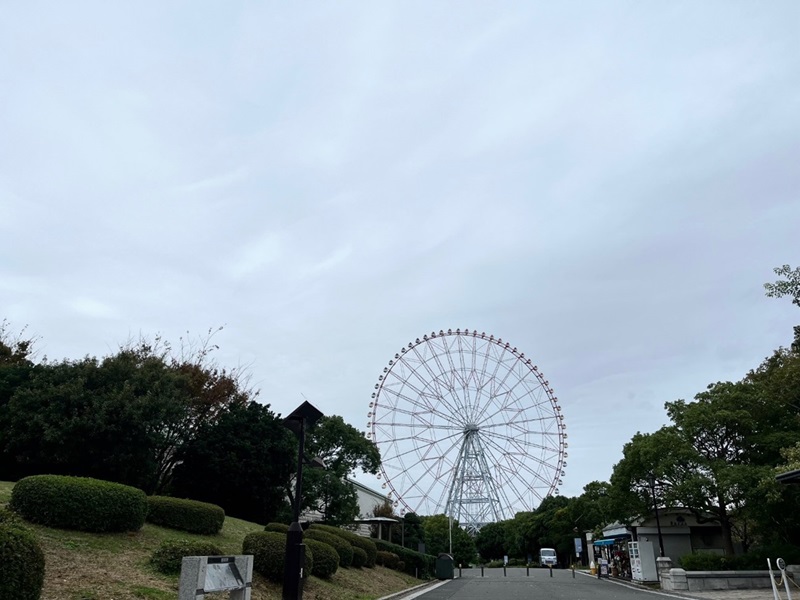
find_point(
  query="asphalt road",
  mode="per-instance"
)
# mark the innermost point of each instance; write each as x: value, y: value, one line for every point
x: 539, y: 585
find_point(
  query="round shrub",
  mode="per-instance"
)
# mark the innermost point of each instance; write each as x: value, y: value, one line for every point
x: 22, y: 562
x: 186, y: 515
x: 357, y: 541
x: 359, y: 557
x: 343, y: 548
x: 268, y: 549
x: 390, y: 560
x: 278, y: 527
x: 326, y: 559
x: 167, y: 558
x: 79, y: 503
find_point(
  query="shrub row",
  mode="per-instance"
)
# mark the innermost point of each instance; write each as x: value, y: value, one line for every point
x: 755, y: 559
x: 277, y: 527
x: 326, y: 559
x: 390, y: 560
x: 79, y: 503
x: 186, y: 515
x: 168, y: 557
x: 359, y: 557
x: 366, y: 544
x: 414, y: 563
x: 343, y: 548
x: 22, y: 561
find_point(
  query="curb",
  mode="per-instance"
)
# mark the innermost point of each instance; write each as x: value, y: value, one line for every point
x: 403, y: 593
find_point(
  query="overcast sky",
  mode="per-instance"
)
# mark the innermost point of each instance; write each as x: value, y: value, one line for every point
x: 606, y: 185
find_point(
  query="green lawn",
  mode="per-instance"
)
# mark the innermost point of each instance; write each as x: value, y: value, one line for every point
x: 88, y: 566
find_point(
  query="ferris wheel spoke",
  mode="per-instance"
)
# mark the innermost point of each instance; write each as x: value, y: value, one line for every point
x: 434, y: 481
x: 522, y: 464
x: 520, y: 443
x: 435, y: 378
x: 415, y: 402
x: 438, y: 427
x: 422, y: 394
x: 510, y: 481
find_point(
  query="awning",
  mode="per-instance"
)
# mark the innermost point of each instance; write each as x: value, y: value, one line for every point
x: 604, y: 543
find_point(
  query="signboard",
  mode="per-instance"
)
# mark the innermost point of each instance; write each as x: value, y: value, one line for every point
x: 578, y: 546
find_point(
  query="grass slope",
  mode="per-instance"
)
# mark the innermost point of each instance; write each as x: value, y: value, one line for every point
x: 87, y: 566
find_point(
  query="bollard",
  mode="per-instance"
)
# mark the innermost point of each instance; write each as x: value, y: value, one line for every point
x: 551, y: 570
x: 459, y: 569
x: 573, y: 570
x: 481, y: 570
x: 504, y: 570
x: 528, y: 569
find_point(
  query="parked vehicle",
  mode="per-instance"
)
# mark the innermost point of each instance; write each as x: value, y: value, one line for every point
x: 547, y: 557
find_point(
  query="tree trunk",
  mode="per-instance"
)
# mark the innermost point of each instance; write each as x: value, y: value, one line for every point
x: 727, y: 529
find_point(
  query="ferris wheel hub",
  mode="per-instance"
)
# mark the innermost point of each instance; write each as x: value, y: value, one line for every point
x: 471, y: 428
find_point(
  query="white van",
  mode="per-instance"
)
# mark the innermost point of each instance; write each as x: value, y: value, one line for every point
x: 547, y: 557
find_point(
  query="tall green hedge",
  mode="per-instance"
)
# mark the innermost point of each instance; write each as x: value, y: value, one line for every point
x: 343, y: 548
x: 326, y: 559
x: 21, y: 562
x: 79, y: 503
x: 357, y: 541
x: 279, y: 527
x: 414, y: 563
x: 186, y: 515
x: 168, y: 557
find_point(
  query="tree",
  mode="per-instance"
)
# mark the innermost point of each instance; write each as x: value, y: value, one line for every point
x: 787, y: 287
x: 344, y: 450
x: 242, y: 462
x: 437, y: 530
x: 492, y: 541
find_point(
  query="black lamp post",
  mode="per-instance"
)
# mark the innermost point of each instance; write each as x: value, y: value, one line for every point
x: 301, y: 418
x: 658, y: 520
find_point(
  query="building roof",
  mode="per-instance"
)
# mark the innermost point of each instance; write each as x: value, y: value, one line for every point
x: 789, y: 477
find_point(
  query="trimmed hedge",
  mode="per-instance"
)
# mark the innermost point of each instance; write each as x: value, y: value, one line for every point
x: 390, y: 560
x: 414, y: 563
x: 278, y: 527
x: 359, y: 557
x: 755, y: 559
x: 326, y: 559
x: 79, y: 503
x: 22, y: 562
x: 366, y: 544
x: 269, y: 551
x: 186, y: 515
x: 343, y: 548
x: 167, y: 558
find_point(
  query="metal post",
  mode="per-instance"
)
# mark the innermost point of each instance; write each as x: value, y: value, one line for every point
x: 528, y: 570
x: 658, y: 520
x: 551, y: 570
x: 504, y: 570
x: 481, y: 570
x: 295, y: 550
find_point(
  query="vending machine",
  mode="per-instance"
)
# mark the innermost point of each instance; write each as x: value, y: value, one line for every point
x: 643, y: 561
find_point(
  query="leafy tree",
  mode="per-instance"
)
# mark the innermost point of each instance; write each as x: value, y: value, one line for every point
x: 385, y: 510
x: 344, y: 450
x: 492, y: 541
x: 437, y: 529
x: 241, y: 462
x: 411, y: 533
x: 790, y: 286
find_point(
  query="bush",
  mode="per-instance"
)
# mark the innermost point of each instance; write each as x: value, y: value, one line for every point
x: 359, y: 557
x: 366, y: 544
x: 277, y: 527
x: 343, y: 548
x: 326, y: 559
x: 79, y: 503
x: 414, y: 563
x: 167, y: 558
x: 755, y: 559
x: 390, y: 560
x: 268, y: 549
x: 22, y: 562
x: 186, y: 515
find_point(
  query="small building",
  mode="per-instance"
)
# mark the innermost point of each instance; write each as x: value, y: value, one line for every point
x: 681, y: 532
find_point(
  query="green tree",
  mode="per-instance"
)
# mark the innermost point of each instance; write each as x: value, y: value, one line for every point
x: 344, y: 450
x: 492, y: 541
x: 790, y: 286
x: 437, y: 530
x: 241, y: 461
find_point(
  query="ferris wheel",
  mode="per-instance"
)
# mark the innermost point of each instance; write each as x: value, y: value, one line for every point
x: 467, y: 426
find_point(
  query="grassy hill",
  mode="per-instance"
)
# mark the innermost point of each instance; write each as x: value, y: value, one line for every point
x: 87, y: 566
